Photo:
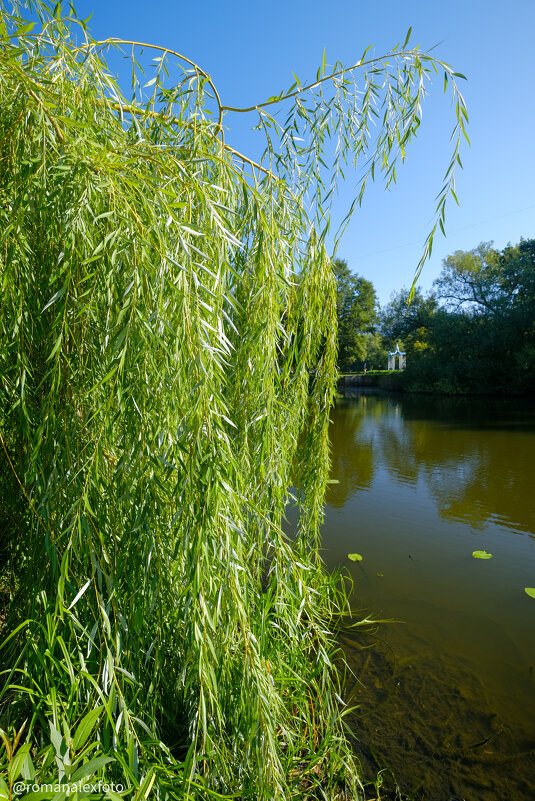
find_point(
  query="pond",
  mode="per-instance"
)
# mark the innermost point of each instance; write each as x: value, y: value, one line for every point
x: 446, y: 695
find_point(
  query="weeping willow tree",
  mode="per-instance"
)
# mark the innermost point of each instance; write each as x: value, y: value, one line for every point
x: 167, y: 366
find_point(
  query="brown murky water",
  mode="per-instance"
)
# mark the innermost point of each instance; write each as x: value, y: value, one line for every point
x: 447, y: 696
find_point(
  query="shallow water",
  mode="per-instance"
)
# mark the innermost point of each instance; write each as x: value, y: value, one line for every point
x: 447, y: 696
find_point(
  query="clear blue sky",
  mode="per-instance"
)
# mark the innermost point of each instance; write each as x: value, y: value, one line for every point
x: 251, y: 50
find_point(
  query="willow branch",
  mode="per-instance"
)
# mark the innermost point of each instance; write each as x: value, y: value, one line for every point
x: 247, y: 160
x: 30, y: 502
x: 369, y: 62
x: 114, y: 40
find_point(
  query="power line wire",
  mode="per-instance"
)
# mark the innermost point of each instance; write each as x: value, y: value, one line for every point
x: 453, y: 231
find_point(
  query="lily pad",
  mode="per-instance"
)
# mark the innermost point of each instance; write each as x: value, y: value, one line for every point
x: 481, y: 555
x: 355, y: 557
x: 530, y: 591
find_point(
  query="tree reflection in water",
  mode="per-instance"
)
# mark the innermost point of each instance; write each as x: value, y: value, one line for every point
x: 474, y: 455
x: 445, y: 699
x: 352, y: 448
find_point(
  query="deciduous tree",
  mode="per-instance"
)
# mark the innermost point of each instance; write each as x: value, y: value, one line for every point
x: 471, y: 281
x: 407, y: 319
x: 164, y: 298
x: 356, y: 311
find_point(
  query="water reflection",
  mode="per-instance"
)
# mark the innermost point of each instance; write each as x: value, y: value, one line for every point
x: 445, y: 699
x: 352, y: 453
x: 475, y: 457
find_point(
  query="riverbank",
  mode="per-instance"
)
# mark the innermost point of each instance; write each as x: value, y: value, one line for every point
x: 387, y: 381
x: 403, y: 381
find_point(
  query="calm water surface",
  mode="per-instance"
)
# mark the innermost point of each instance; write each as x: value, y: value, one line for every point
x: 447, y: 696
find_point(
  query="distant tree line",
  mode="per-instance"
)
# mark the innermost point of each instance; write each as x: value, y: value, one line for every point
x: 473, y: 332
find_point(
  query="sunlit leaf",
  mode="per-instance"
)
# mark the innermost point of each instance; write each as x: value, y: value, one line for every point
x: 85, y: 727
x: 165, y: 301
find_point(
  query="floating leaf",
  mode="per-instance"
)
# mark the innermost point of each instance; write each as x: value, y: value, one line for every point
x: 481, y: 555
x: 355, y: 557
x: 530, y: 591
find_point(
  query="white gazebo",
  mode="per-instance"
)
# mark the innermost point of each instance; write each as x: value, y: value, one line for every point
x: 400, y: 355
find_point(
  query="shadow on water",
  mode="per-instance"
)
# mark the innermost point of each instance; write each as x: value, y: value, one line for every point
x: 446, y: 698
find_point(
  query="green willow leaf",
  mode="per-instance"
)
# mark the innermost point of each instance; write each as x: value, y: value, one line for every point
x: 16, y: 763
x: 85, y: 727
x: 4, y: 789
x: 167, y: 367
x: 89, y: 768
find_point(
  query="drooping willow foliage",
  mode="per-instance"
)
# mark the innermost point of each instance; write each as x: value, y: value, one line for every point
x: 167, y: 366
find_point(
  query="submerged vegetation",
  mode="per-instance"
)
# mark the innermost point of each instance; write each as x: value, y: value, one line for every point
x: 164, y: 301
